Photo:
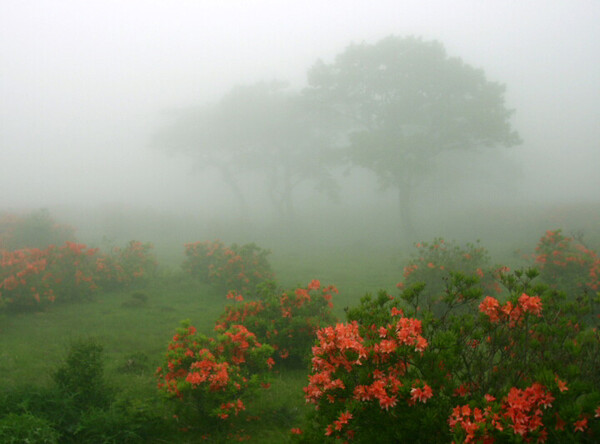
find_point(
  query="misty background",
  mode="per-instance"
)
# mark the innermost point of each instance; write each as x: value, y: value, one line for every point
x: 86, y: 87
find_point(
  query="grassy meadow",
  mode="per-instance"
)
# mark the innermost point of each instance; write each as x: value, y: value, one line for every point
x: 135, y: 333
x: 134, y: 327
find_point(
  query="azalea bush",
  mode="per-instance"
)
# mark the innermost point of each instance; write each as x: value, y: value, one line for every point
x: 212, y: 379
x: 124, y: 266
x: 433, y: 262
x: 567, y: 264
x: 473, y: 370
x: 237, y: 267
x: 287, y: 320
x: 32, y: 278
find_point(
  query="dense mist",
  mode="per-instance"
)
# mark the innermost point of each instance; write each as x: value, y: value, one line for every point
x: 105, y: 107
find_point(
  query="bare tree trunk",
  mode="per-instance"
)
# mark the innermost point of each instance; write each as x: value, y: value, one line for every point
x: 236, y: 190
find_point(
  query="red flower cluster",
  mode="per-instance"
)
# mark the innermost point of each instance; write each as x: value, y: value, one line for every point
x: 513, y: 313
x: 520, y: 412
x: 566, y: 264
x: 287, y: 320
x: 382, y: 355
x: 214, y: 375
x: 31, y: 277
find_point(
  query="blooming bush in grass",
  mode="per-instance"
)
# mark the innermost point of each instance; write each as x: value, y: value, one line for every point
x: 567, y: 264
x: 287, y: 320
x: 124, y: 266
x: 476, y: 369
x: 31, y: 278
x: 212, y: 379
x: 433, y: 262
x: 237, y: 267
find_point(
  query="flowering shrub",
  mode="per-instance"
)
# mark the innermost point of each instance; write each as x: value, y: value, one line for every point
x: 566, y: 264
x: 476, y: 369
x: 212, y: 378
x: 433, y: 262
x: 363, y: 381
x: 31, y: 278
x: 122, y: 267
x: 287, y: 320
x: 241, y: 268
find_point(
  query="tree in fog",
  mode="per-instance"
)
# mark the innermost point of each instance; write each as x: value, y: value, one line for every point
x: 259, y: 130
x: 405, y: 102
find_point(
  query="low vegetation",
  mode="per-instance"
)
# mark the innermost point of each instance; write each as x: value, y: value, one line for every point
x: 458, y: 350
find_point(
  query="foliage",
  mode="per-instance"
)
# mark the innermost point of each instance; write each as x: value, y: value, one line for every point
x: 26, y: 428
x: 567, y: 264
x: 124, y: 266
x: 261, y: 128
x: 433, y: 263
x: 478, y: 370
x: 32, y: 278
x: 240, y: 268
x: 213, y: 378
x: 34, y: 230
x: 406, y: 101
x: 81, y: 377
x: 79, y: 407
x: 286, y: 320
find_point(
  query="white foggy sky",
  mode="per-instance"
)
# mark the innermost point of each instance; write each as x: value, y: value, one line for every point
x: 85, y: 84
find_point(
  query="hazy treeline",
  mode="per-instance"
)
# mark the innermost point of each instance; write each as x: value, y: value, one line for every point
x: 397, y: 124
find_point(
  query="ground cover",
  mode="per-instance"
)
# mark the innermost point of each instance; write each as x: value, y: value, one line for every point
x: 134, y: 326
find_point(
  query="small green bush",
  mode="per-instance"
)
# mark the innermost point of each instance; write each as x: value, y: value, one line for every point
x: 26, y: 428
x: 81, y: 377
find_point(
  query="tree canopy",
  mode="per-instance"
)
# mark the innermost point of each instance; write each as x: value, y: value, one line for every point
x: 406, y: 101
x: 392, y: 107
x: 263, y: 128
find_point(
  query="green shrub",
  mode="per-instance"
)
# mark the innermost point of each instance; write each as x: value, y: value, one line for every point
x: 287, y: 320
x: 26, y: 428
x: 81, y: 377
x: 566, y: 264
x: 124, y: 267
x: 433, y: 262
x: 240, y: 268
x: 476, y: 370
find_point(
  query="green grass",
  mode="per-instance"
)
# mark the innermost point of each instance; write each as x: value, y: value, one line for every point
x: 135, y: 334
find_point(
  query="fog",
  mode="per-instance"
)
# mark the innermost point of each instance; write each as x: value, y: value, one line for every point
x: 86, y: 87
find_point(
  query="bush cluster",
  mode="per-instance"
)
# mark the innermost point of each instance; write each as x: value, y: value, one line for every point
x: 213, y: 378
x: 79, y: 407
x: 567, y: 264
x: 476, y: 369
x: 241, y: 268
x: 32, y: 278
x: 287, y: 320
